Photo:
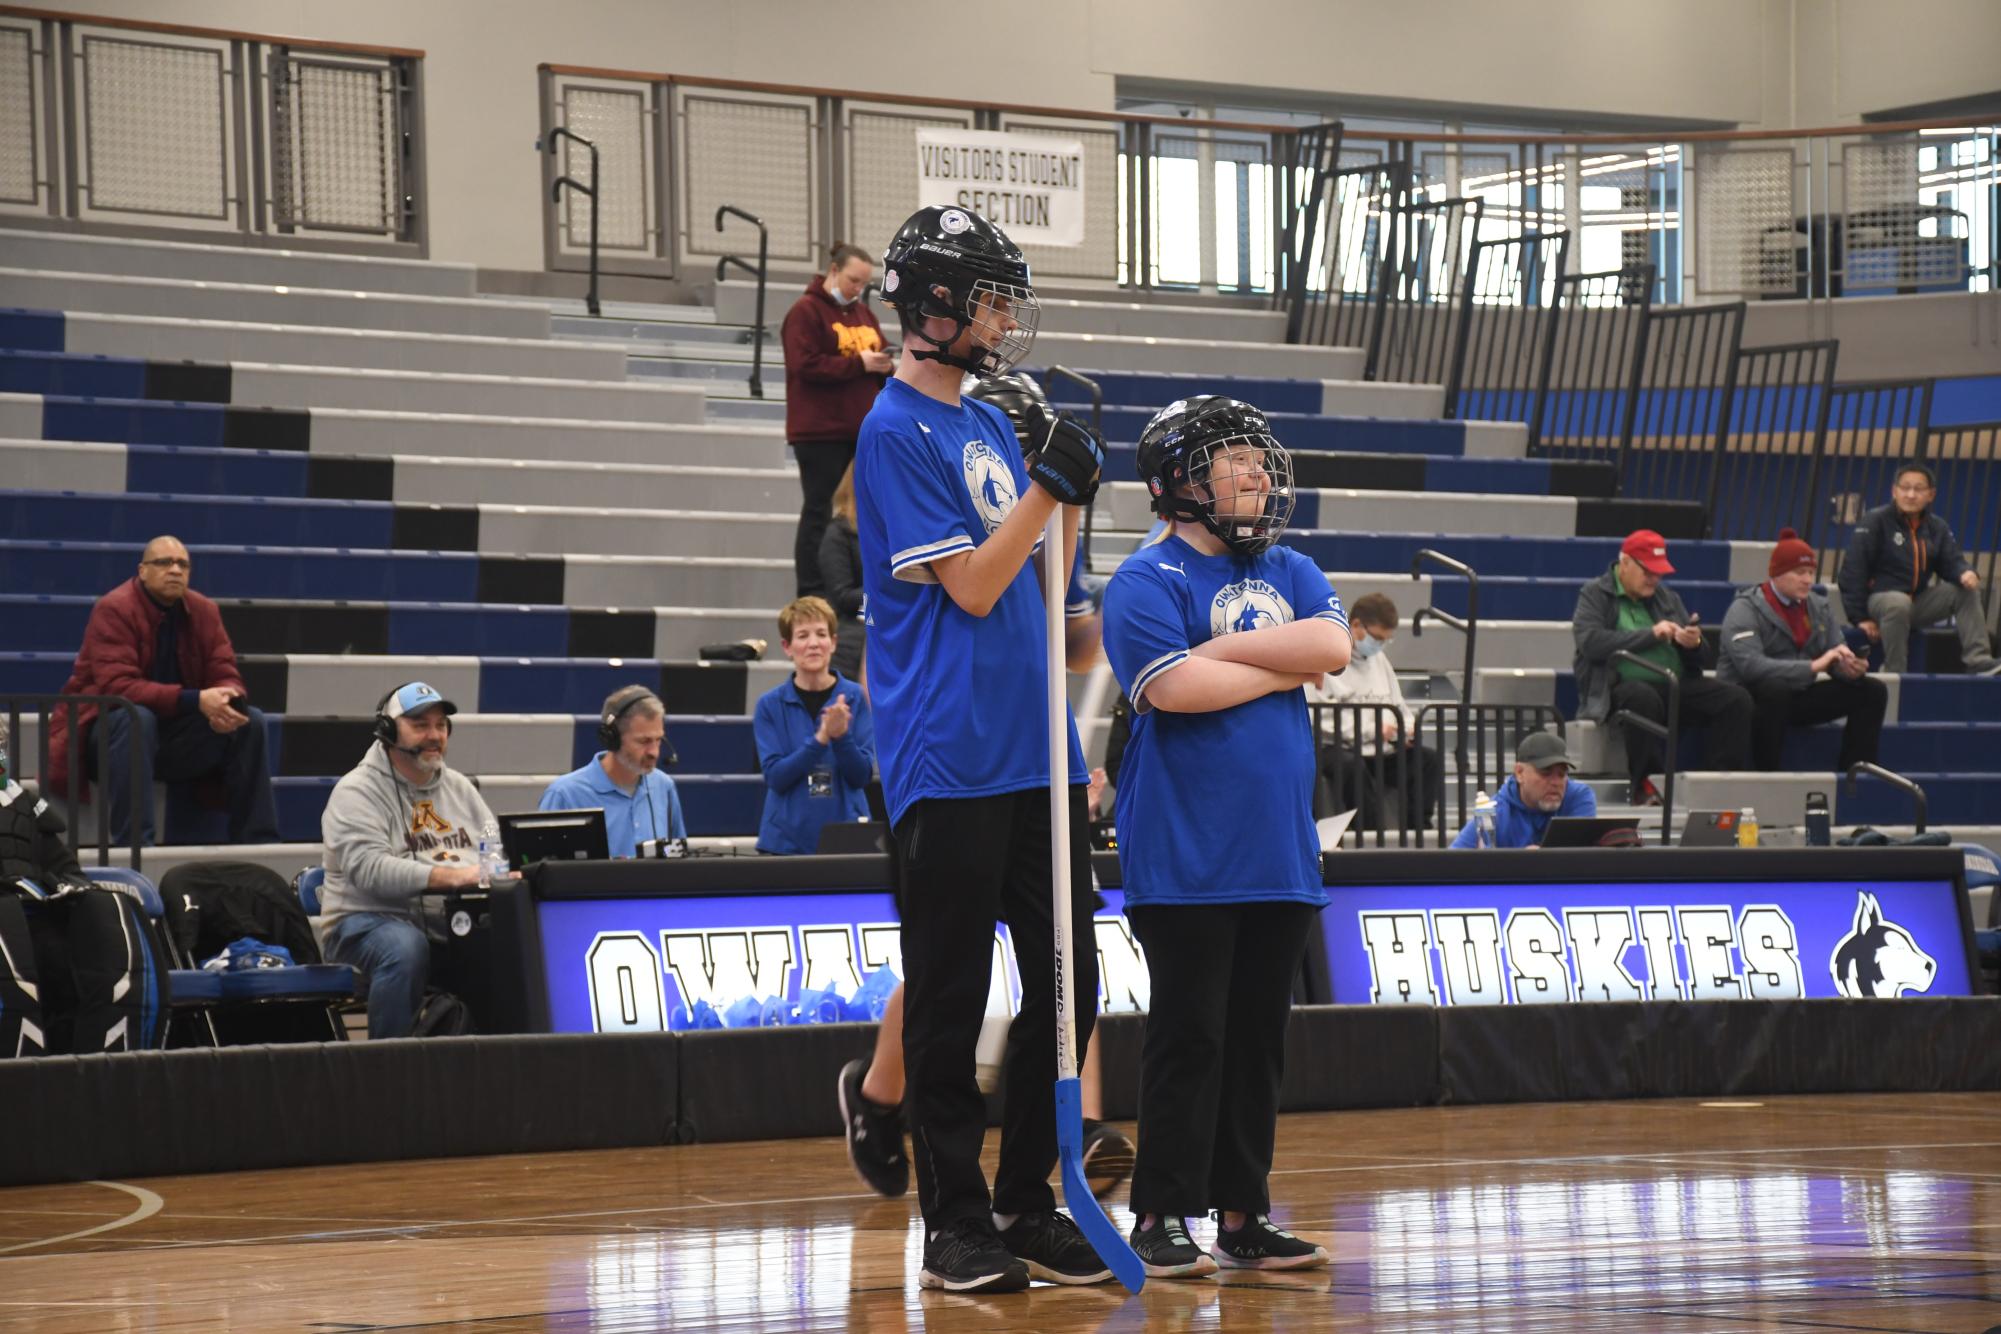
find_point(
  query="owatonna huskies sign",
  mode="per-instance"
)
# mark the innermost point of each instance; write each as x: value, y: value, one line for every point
x: 1537, y: 944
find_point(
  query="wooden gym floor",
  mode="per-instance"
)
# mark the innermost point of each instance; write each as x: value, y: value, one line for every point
x: 1861, y: 1212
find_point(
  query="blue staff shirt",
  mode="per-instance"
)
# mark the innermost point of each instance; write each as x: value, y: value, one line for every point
x: 652, y: 811
x: 1214, y: 807
x: 958, y: 698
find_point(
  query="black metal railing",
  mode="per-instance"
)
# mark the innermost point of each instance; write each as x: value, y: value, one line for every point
x: 1467, y: 625
x: 760, y: 272
x: 1482, y: 740
x: 1894, y: 779
x: 1682, y: 394
x: 1872, y: 428
x: 42, y: 707
x: 1411, y: 339
x: 1369, y: 763
x: 590, y: 192
x: 1668, y: 733
x: 1967, y: 458
x: 1316, y: 151
x: 1050, y: 378
x: 1777, y: 429
x: 1506, y: 330
x: 1591, y: 390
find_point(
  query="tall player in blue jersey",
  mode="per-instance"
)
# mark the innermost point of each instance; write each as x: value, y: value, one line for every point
x: 948, y: 514
x: 1212, y: 632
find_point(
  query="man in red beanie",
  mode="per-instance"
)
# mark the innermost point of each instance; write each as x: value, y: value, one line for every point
x: 1629, y: 609
x: 1779, y: 640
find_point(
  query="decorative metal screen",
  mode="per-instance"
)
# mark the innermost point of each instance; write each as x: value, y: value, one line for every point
x: 334, y: 149
x: 1891, y: 243
x: 615, y: 120
x: 1098, y: 257
x: 1745, y: 234
x: 757, y: 155
x: 17, y: 116
x: 153, y: 129
x: 882, y: 172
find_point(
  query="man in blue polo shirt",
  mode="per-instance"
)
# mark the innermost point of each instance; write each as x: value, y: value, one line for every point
x: 639, y: 802
x: 947, y: 520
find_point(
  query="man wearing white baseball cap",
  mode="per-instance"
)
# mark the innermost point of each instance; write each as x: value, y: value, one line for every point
x: 398, y: 823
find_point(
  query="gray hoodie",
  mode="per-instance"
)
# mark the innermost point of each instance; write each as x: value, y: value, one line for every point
x: 383, y: 835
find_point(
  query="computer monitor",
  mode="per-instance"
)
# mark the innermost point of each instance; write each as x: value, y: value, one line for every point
x: 542, y: 836
x: 1592, y: 831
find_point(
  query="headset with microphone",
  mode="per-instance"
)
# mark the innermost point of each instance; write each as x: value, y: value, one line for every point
x: 611, y: 734
x: 410, y: 697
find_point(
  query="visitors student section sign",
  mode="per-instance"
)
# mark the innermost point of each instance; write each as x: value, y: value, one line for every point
x: 1030, y: 185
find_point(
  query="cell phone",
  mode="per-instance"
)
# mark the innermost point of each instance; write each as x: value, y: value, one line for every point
x: 236, y: 703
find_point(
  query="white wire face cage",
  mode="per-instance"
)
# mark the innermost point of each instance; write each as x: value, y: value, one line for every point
x: 1002, y: 318
x: 1243, y: 464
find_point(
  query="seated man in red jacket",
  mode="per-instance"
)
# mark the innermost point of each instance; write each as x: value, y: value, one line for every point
x: 160, y: 644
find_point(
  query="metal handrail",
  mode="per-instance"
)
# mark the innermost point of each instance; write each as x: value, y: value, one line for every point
x: 1670, y: 734
x: 1469, y: 625
x: 44, y: 705
x: 1894, y: 779
x: 726, y: 263
x: 1097, y: 393
x: 589, y: 192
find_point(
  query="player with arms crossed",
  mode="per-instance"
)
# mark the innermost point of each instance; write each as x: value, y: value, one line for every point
x: 1212, y: 632
x: 947, y: 519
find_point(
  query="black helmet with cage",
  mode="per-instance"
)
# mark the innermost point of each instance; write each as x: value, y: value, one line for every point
x: 985, y: 285
x: 1193, y: 443
x: 1022, y: 399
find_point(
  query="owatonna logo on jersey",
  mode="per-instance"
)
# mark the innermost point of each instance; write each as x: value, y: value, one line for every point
x: 990, y: 481
x: 1248, y: 604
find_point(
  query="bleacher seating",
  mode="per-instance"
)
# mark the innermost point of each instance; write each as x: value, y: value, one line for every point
x: 383, y: 475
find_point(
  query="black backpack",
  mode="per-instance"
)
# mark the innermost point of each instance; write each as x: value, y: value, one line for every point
x: 209, y: 904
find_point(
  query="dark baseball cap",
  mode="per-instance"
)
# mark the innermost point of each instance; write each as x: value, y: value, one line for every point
x: 1540, y: 750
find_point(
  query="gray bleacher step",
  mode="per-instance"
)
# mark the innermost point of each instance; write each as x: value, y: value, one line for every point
x: 725, y: 407
x: 276, y: 303
x: 681, y: 581
x: 450, y: 481
x: 683, y: 333
x: 1351, y: 396
x: 520, y: 530
x: 735, y: 302
x: 42, y: 465
x: 679, y: 633
x: 1463, y: 514
x: 170, y: 338
x: 259, y: 385
x: 125, y: 257
x: 709, y: 444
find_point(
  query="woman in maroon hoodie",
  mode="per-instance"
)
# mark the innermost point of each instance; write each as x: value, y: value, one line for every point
x: 834, y: 364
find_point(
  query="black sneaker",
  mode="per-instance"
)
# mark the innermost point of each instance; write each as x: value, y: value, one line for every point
x: 1108, y: 1158
x: 967, y: 1256
x: 874, y: 1134
x: 1259, y: 1245
x: 1167, y: 1251
x: 1054, y: 1249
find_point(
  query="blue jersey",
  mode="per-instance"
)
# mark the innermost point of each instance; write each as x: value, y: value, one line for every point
x: 1214, y: 807
x: 958, y: 698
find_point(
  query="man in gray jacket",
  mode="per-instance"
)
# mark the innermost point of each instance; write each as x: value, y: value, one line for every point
x: 1779, y: 637
x: 1628, y: 609
x: 398, y: 823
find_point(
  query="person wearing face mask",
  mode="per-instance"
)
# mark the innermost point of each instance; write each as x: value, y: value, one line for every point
x: 1411, y: 769
x: 399, y: 823
x: 1540, y: 791
x: 834, y: 363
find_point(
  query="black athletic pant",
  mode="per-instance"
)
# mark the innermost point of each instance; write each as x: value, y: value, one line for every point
x: 964, y: 865
x: 821, y: 463
x: 1779, y: 706
x: 1722, y: 710
x: 1214, y: 1052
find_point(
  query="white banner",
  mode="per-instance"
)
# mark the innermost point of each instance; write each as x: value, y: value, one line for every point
x: 1029, y: 185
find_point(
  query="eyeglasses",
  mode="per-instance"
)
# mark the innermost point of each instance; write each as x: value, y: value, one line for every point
x: 1913, y: 489
x: 169, y: 563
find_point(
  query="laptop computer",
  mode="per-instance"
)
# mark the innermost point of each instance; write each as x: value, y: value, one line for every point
x: 541, y: 836
x: 1592, y: 831
x: 1709, y: 829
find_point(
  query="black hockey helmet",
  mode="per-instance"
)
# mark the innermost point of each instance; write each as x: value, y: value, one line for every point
x: 1190, y: 443
x: 983, y: 274
x: 1022, y: 399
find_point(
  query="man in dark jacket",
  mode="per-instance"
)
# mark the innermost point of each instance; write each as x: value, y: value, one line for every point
x: 834, y: 364
x: 157, y: 642
x: 1629, y: 609
x: 1779, y: 637
x: 1888, y: 586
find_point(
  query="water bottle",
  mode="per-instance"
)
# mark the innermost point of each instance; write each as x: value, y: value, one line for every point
x: 1747, y: 828
x: 489, y: 854
x: 1483, y: 821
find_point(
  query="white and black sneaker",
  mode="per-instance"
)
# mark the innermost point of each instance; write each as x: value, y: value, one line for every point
x: 1168, y: 1251
x: 967, y: 1256
x: 1259, y: 1245
x: 874, y: 1134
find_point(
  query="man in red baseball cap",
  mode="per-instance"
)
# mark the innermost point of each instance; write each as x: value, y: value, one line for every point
x: 1629, y: 609
x: 1780, y: 641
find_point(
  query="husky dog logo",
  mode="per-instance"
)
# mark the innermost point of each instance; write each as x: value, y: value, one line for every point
x: 990, y: 482
x: 1249, y: 604
x: 1877, y: 957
